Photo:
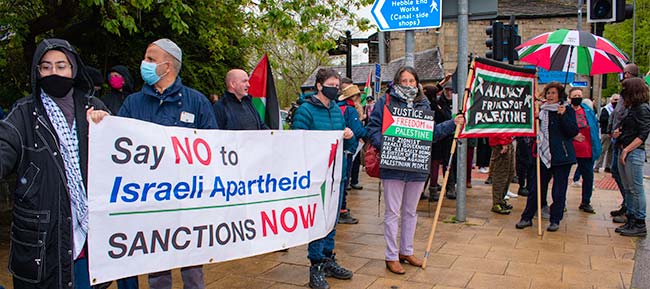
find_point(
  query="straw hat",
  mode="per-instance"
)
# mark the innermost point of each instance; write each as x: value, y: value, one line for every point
x: 349, y: 91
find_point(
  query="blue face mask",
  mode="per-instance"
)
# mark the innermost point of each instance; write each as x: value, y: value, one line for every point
x: 148, y: 72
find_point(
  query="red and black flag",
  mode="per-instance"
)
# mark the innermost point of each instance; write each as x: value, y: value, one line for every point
x: 262, y: 90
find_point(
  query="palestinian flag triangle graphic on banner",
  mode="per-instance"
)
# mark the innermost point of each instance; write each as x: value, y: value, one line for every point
x: 330, y: 172
x: 262, y: 91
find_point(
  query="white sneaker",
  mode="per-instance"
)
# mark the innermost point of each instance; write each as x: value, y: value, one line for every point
x: 511, y: 194
x: 506, y: 197
x: 576, y: 184
x: 484, y: 170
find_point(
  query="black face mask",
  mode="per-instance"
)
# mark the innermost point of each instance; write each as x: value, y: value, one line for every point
x: 614, y: 104
x: 576, y: 101
x: 330, y: 92
x: 55, y: 85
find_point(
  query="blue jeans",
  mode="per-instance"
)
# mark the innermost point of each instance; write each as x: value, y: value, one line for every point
x: 586, y: 169
x: 614, y: 169
x: 317, y: 250
x: 81, y: 277
x: 577, y: 175
x: 632, y: 176
x: 128, y: 283
x: 560, y: 176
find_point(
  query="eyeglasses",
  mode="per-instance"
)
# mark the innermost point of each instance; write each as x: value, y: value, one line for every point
x: 49, y: 68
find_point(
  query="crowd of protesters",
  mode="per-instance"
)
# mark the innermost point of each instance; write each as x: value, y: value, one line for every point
x: 65, y: 96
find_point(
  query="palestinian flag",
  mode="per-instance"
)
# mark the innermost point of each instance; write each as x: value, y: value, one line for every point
x: 262, y: 90
x: 366, y: 90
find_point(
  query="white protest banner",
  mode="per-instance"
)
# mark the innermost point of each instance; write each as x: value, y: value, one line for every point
x: 168, y: 197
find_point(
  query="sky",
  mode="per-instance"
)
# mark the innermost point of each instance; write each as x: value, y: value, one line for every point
x: 364, y: 12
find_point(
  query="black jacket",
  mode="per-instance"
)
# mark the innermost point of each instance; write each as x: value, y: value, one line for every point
x: 115, y: 98
x: 635, y: 124
x: 442, y: 108
x: 604, y: 120
x: 41, y: 231
x: 562, y: 128
x: 227, y: 116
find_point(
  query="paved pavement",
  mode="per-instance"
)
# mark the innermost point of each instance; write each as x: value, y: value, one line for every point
x: 485, y: 252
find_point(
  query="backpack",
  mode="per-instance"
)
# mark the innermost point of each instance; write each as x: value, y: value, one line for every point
x: 291, y: 112
x: 372, y: 156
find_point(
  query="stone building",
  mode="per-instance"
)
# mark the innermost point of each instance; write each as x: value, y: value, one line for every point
x: 532, y: 16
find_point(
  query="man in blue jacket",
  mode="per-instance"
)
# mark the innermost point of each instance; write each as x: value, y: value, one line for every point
x: 234, y: 110
x: 166, y: 101
x: 320, y: 112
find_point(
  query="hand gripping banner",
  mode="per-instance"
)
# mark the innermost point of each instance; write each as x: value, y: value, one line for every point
x: 501, y: 101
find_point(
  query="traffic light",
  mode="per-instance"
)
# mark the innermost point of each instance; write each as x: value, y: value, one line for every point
x: 513, y: 40
x: 495, y: 41
x: 608, y: 11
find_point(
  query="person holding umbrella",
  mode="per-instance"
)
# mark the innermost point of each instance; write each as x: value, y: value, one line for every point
x: 557, y: 129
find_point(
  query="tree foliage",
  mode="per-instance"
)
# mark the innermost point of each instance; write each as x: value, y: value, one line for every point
x: 215, y: 35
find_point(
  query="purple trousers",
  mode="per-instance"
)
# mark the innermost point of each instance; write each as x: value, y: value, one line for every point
x: 401, y: 200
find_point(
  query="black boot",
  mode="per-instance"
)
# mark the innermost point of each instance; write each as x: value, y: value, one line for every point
x: 434, y: 195
x: 317, y: 276
x: 333, y: 269
x: 451, y: 192
x: 627, y: 225
x: 618, y: 212
x: 522, y: 191
x: 637, y: 229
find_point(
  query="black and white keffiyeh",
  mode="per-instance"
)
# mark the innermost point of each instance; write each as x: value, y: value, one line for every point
x: 69, y: 147
x: 543, y: 136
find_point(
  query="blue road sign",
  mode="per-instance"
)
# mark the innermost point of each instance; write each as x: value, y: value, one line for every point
x: 544, y: 76
x: 579, y: 84
x: 407, y: 14
x: 377, y: 78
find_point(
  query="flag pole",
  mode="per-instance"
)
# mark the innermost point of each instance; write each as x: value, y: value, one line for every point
x: 451, y: 156
x: 539, y: 182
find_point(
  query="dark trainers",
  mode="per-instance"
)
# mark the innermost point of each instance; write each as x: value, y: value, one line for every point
x: 637, y: 229
x: 619, y: 219
x: 488, y: 181
x: 523, y: 224
x: 628, y: 222
x: 587, y: 208
x: 346, y: 218
x: 619, y: 212
x: 522, y: 192
x: 434, y: 195
x: 317, y: 277
x: 333, y: 269
x: 552, y: 227
x: 507, y: 206
x: 500, y: 209
x: 356, y: 186
x: 451, y: 193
